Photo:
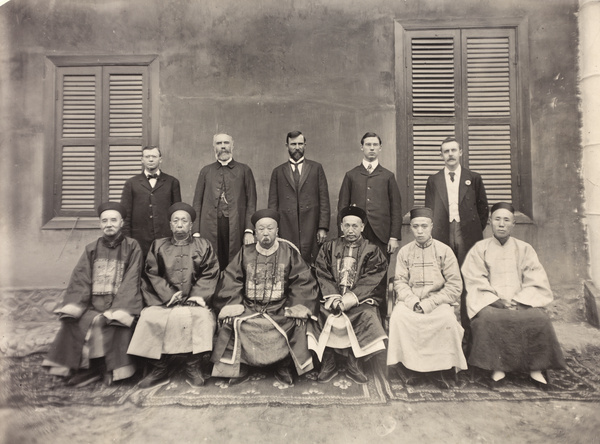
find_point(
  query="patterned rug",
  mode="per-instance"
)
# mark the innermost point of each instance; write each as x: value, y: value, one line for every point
x: 25, y: 383
x: 576, y: 383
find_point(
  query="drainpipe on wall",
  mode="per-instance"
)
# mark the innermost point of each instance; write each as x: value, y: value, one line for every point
x: 589, y: 81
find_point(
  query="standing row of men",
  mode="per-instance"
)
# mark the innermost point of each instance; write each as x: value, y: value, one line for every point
x: 268, y: 285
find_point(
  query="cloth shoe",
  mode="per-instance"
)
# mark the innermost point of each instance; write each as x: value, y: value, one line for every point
x: 243, y: 376
x: 194, y: 372
x: 159, y: 373
x: 328, y: 367
x: 85, y: 377
x: 283, y: 372
x: 353, y: 370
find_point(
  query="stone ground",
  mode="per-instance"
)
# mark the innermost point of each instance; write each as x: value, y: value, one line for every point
x: 427, y: 422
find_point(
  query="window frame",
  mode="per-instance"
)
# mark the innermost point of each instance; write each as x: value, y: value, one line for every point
x: 522, y: 189
x: 51, y: 220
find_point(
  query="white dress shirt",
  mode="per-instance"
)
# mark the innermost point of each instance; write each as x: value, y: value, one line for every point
x: 452, y: 187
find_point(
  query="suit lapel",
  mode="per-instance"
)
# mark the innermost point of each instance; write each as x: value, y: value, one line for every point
x: 465, y: 176
x: 143, y: 180
x: 159, y: 182
x: 303, y: 176
x: 287, y: 172
x: 440, y: 186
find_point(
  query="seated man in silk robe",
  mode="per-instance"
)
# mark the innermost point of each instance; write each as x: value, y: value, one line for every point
x: 349, y: 272
x: 267, y: 295
x: 505, y: 285
x: 178, y: 323
x: 100, y: 304
x: 425, y: 335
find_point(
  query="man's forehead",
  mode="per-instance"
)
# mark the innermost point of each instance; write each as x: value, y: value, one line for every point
x: 222, y: 137
x: 152, y: 152
x: 420, y: 220
x: 502, y: 212
x: 352, y: 219
x: 109, y: 214
x: 371, y: 140
x: 300, y: 138
x: 266, y: 221
x: 179, y: 214
x: 450, y: 145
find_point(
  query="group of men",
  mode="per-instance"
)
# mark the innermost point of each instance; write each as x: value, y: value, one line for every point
x: 217, y: 280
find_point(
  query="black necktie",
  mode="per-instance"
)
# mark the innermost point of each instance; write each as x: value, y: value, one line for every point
x: 152, y: 176
x: 451, y: 176
x: 296, y: 171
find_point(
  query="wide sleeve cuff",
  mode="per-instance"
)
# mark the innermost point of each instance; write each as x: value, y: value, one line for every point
x: 349, y: 300
x: 70, y: 311
x: 119, y: 317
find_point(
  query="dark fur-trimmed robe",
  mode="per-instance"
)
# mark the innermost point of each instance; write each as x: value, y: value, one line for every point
x: 92, y: 293
x: 248, y: 281
x: 370, y: 272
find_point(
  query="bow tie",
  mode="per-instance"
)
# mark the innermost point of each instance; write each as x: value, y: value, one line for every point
x: 152, y: 176
x: 296, y: 163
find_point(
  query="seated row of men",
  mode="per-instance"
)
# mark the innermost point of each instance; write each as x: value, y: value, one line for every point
x: 272, y: 310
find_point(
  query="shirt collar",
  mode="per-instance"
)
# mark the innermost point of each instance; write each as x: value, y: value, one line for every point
x: 425, y: 245
x: 268, y: 252
x: 229, y: 163
x: 457, y: 171
x: 294, y: 162
x: 375, y: 164
x: 147, y: 173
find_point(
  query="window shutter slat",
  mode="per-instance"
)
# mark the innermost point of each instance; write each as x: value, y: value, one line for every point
x: 78, y: 178
x: 488, y: 77
x: 490, y: 155
x: 124, y: 162
x: 126, y: 105
x: 78, y: 106
x: 432, y: 66
x: 426, y: 155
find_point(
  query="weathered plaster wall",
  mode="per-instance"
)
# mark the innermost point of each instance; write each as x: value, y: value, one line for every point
x: 258, y: 69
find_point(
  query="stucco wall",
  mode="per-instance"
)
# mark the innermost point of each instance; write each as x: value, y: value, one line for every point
x: 258, y: 69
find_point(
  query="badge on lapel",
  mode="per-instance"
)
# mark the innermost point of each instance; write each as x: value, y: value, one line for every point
x: 467, y: 182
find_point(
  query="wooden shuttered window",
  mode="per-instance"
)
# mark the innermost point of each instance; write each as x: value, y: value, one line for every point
x: 462, y: 83
x: 101, y: 125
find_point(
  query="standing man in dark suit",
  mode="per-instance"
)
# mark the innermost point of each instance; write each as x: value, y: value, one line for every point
x: 147, y: 198
x: 458, y: 200
x: 460, y: 212
x: 299, y: 193
x: 374, y: 188
x: 225, y: 200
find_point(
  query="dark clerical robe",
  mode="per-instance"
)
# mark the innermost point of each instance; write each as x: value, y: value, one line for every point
x: 345, y: 268
x: 518, y: 339
x: 264, y: 284
x: 98, y: 310
x: 189, y: 266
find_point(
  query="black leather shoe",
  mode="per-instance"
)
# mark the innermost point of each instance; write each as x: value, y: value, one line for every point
x: 158, y: 375
x: 328, y: 367
x: 283, y: 374
x: 84, y: 377
x: 353, y: 370
x: 194, y: 375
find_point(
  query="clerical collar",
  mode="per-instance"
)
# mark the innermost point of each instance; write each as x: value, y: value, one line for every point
x: 113, y: 243
x: 268, y: 252
x: 225, y: 163
x: 373, y: 164
x: 179, y: 242
x: 148, y: 173
x: 293, y: 162
x: 426, y: 244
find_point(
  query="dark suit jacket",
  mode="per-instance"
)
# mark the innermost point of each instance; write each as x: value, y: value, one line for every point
x: 472, y: 206
x: 302, y: 212
x: 376, y: 193
x: 240, y: 192
x: 147, y: 217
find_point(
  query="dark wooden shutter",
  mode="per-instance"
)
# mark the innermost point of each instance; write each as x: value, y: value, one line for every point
x: 461, y: 84
x: 78, y: 139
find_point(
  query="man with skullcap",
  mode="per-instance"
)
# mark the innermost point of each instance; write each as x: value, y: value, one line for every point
x: 425, y: 335
x: 349, y: 270
x: 267, y: 296
x: 178, y: 322
x: 99, y: 307
x: 506, y: 286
